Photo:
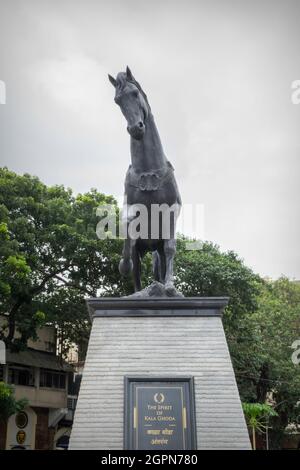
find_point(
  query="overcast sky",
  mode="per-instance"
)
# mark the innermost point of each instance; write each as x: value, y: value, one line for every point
x: 218, y: 76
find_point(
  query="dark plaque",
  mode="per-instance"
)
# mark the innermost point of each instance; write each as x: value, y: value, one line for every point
x: 159, y: 413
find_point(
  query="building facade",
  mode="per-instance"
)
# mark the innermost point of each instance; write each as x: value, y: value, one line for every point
x: 47, y: 382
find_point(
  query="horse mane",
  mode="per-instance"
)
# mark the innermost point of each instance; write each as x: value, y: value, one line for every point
x: 122, y: 80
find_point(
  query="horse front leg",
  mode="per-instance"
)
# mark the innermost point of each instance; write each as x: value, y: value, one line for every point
x: 156, y: 266
x: 169, y: 252
x: 126, y: 265
x: 136, y: 259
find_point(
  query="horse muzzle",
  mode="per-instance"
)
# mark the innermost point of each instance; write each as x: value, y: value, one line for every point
x: 137, y: 131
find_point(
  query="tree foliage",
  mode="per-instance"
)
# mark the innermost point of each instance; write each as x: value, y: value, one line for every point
x: 50, y: 256
x: 8, y: 404
x: 262, y: 354
x: 51, y: 260
x: 257, y: 416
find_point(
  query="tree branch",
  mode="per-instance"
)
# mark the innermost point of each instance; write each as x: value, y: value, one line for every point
x: 35, y: 290
x: 75, y: 286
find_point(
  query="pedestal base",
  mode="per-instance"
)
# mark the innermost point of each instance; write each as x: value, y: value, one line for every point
x: 158, y: 337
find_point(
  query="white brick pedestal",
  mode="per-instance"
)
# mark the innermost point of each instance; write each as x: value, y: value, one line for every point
x: 158, y: 337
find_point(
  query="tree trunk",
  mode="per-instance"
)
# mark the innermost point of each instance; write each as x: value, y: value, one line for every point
x: 12, y: 322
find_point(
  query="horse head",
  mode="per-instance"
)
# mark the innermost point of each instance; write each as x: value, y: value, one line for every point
x: 132, y: 101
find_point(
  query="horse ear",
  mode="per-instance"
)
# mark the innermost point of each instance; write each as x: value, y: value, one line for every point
x: 128, y: 73
x: 112, y: 80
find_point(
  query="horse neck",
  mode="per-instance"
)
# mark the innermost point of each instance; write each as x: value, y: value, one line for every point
x: 147, y: 153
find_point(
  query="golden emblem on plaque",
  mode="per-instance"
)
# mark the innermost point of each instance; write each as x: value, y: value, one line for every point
x: 159, y: 397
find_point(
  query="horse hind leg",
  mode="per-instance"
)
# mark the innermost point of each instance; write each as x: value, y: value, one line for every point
x: 162, y: 258
x: 169, y: 252
x: 156, y: 266
x: 136, y: 259
x: 159, y: 265
x: 126, y: 264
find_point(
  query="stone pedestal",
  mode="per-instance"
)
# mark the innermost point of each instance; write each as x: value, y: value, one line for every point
x: 158, y: 337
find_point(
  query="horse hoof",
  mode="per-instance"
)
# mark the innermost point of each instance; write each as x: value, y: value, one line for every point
x: 125, y: 266
x: 170, y: 289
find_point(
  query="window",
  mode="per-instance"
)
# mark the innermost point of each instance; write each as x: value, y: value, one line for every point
x: 72, y: 403
x: 1, y: 373
x: 50, y: 346
x: 18, y: 375
x: 52, y: 379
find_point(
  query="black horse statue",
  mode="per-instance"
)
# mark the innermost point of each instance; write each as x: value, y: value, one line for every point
x: 149, y: 183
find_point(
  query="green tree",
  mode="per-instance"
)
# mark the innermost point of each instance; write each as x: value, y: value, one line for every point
x: 210, y: 272
x: 8, y: 404
x: 262, y: 354
x: 257, y: 416
x: 50, y: 256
